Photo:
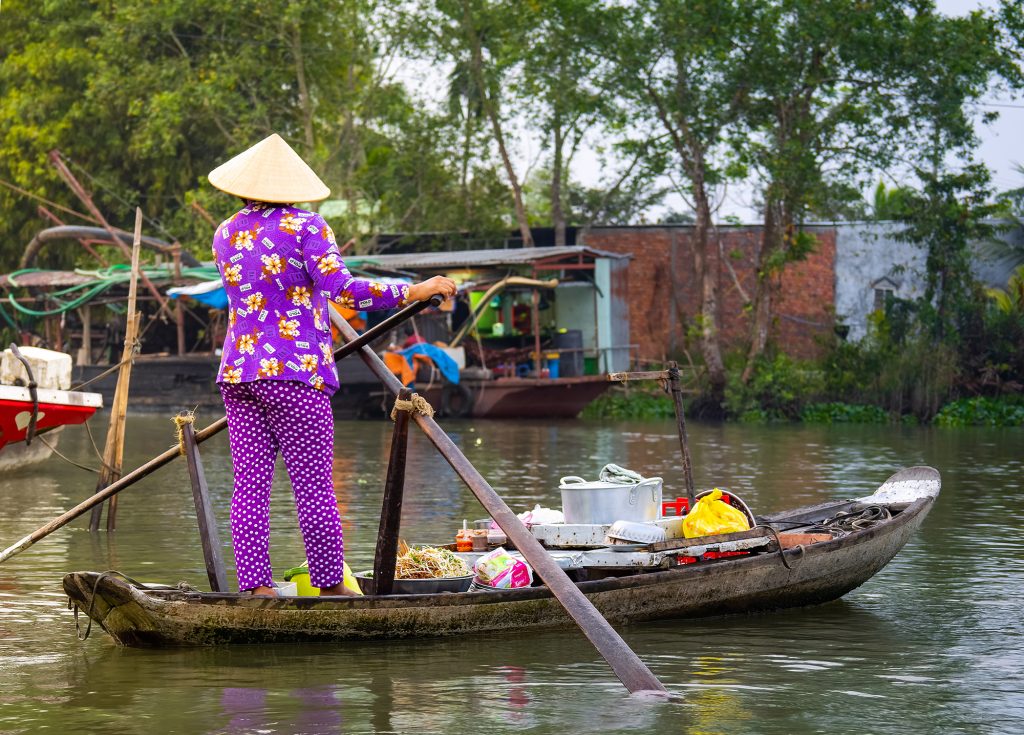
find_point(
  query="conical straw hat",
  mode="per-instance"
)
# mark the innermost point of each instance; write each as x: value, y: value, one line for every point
x: 270, y: 171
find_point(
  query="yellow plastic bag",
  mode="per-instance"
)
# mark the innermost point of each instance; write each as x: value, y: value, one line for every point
x: 300, y: 575
x: 712, y: 515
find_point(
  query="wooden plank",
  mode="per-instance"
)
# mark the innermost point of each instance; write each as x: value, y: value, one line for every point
x: 204, y: 511
x: 720, y: 538
x: 391, y: 507
x: 647, y: 375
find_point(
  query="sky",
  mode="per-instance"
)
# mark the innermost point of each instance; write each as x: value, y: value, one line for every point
x: 1001, y: 145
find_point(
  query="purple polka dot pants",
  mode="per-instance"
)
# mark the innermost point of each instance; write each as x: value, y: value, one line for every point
x: 266, y: 416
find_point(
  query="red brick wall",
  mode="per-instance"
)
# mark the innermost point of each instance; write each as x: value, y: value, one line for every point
x: 664, y: 292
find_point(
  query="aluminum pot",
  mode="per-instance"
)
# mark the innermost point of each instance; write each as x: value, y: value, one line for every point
x: 603, y: 502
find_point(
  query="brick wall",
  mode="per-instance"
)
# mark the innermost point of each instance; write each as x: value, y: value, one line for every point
x: 664, y: 291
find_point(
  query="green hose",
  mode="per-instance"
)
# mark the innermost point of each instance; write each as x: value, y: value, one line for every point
x: 69, y: 299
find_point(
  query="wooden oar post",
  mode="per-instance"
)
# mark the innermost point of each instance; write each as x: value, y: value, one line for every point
x: 676, y: 390
x: 204, y: 510
x: 391, y: 508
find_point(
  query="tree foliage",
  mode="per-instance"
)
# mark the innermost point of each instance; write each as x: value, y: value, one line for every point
x: 145, y: 98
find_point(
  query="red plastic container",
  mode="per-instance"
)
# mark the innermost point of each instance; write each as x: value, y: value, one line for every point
x: 681, y: 506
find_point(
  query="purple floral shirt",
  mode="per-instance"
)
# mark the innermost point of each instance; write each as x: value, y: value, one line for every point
x: 280, y: 265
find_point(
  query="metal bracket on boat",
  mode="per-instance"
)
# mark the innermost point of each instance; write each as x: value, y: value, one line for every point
x: 33, y: 393
x: 708, y: 542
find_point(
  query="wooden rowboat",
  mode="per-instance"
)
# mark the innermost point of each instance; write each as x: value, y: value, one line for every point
x: 141, y: 615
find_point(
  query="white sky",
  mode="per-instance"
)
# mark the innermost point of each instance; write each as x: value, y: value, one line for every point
x: 1001, y: 145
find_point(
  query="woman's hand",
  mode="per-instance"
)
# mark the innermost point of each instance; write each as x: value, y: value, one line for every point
x: 436, y: 285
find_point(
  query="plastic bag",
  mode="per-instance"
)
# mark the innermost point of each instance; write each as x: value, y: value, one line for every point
x: 300, y: 575
x: 500, y: 569
x: 712, y: 515
x: 541, y: 516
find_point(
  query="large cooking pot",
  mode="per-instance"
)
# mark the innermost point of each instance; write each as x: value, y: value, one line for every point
x: 603, y: 502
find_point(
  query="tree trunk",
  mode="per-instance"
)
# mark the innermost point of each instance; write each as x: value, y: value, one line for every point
x: 557, y: 215
x: 490, y: 109
x: 706, y: 266
x: 771, y: 243
x: 305, y: 102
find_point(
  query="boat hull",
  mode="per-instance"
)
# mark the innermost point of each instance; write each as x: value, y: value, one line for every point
x: 818, y: 573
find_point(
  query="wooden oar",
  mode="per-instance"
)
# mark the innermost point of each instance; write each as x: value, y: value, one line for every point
x: 215, y: 428
x: 628, y: 667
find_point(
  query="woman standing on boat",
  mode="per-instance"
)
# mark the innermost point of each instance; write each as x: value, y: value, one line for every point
x: 280, y: 266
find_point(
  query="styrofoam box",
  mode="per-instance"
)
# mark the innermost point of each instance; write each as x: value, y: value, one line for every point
x: 456, y: 353
x: 51, y: 369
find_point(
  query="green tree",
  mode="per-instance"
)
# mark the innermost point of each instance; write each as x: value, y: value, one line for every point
x: 478, y: 39
x: 565, y: 87
x: 680, y: 67
x: 951, y: 212
x: 840, y: 89
x: 145, y: 98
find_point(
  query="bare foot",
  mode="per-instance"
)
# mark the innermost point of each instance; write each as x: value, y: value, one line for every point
x: 262, y: 591
x: 337, y: 590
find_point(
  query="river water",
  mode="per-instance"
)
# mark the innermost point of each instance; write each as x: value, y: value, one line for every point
x: 933, y: 644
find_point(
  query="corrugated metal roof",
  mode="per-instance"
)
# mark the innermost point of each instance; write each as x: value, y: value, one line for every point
x: 477, y: 258
x: 44, y: 279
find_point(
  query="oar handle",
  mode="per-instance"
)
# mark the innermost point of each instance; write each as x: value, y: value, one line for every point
x: 386, y: 326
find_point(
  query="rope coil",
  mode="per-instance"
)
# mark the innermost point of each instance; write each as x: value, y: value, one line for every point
x: 183, y: 418
x: 416, y: 404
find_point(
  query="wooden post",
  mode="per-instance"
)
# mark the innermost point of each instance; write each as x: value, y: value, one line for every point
x: 535, y: 318
x: 684, y: 446
x: 179, y: 310
x: 113, y: 451
x: 85, y: 354
x: 391, y: 508
x: 204, y: 510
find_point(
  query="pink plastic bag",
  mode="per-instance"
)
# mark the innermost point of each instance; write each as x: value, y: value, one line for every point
x: 501, y: 570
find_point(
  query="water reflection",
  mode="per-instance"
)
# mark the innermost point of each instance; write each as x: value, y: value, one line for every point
x: 247, y: 710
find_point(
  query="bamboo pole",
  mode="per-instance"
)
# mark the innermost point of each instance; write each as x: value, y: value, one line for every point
x: 113, y: 451
x: 108, y: 492
x: 628, y: 667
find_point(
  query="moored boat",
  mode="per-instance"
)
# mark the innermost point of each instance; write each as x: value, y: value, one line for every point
x: 145, y: 615
x: 34, y: 399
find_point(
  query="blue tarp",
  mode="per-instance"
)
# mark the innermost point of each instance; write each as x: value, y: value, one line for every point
x: 448, y: 367
x: 210, y: 293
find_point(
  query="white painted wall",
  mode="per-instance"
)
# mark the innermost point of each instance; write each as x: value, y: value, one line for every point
x: 574, y: 309
x: 868, y: 252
